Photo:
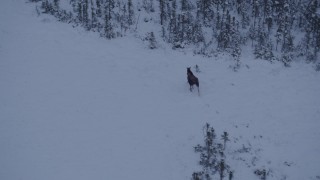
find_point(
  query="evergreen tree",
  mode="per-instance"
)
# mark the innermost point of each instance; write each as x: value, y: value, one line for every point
x: 222, y: 167
x: 108, y: 26
x: 163, y: 13
x: 148, y: 6
x: 79, y: 12
x: 152, y: 41
x: 56, y: 7
x: 267, y: 9
x: 263, y: 47
x: 243, y: 11
x: 47, y: 7
x: 229, y: 36
x: 185, y: 22
x: 278, y: 37
x: 212, y: 156
x: 205, y: 11
x: 130, y: 13
x: 208, y: 152
x: 173, y: 25
x: 94, y: 20
x: 225, y: 138
x: 123, y: 18
x: 85, y: 14
x: 312, y: 28
x: 255, y: 11
x: 99, y: 8
x: 197, y: 32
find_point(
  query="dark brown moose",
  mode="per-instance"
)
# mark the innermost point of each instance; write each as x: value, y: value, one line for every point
x: 192, y: 80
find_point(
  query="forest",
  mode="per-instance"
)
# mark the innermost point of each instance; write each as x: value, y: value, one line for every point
x: 274, y: 30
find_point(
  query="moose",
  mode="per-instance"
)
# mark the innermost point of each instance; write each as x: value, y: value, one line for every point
x: 192, y: 80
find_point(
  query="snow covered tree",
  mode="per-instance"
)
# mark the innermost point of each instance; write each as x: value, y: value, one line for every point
x: 208, y: 152
x: 173, y: 26
x: 262, y: 174
x: 130, y: 13
x: 108, y: 26
x: 163, y: 13
x: 94, y: 20
x: 222, y: 169
x: 85, y: 14
x: 123, y: 17
x: 263, y: 47
x: 212, y: 156
x: 99, y: 8
x: 312, y: 28
x: 197, y: 32
x: 163, y: 16
x: 225, y: 138
x: 152, y: 40
x: 243, y: 7
x: 197, y: 176
x: 205, y: 11
x: 56, y: 7
x: 148, y: 6
x: 47, y: 7
x: 185, y: 21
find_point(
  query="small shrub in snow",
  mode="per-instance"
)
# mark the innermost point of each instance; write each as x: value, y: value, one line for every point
x: 261, y: 173
x: 225, y: 138
x: 152, y: 41
x: 197, y: 68
x: 286, y: 59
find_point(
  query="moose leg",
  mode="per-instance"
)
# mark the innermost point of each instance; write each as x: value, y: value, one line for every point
x: 198, y: 91
x: 191, y: 87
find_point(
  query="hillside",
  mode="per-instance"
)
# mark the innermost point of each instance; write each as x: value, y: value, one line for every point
x: 76, y: 106
x: 284, y: 31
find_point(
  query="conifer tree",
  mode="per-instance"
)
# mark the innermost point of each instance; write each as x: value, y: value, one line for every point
x: 263, y: 46
x: 205, y: 11
x: 225, y: 138
x: 148, y: 6
x: 99, y: 8
x: 212, y: 156
x: 94, y: 20
x: 56, y: 7
x: 163, y: 16
x: 123, y: 18
x: 79, y: 12
x: 108, y: 26
x: 152, y: 41
x: 312, y: 28
x: 185, y: 22
x: 173, y: 27
x: 47, y: 7
x: 130, y: 13
x: 85, y: 14
x: 197, y: 32
x: 208, y: 152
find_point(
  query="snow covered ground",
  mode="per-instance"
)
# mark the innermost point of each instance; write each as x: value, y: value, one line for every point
x: 74, y: 106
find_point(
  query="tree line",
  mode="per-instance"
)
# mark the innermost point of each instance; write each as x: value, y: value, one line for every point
x: 281, y: 30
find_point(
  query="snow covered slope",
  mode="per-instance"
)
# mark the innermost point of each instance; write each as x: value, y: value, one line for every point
x: 74, y: 106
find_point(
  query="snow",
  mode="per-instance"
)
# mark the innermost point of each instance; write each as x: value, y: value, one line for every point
x: 76, y: 106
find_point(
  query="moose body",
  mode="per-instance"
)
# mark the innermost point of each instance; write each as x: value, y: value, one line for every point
x: 192, y: 80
